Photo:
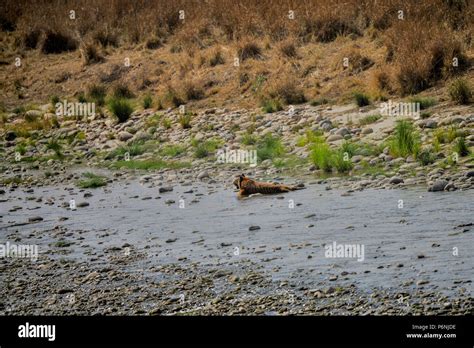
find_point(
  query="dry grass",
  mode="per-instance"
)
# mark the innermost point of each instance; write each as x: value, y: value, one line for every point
x: 167, y: 53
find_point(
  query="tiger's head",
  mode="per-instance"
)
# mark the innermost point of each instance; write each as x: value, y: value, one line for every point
x: 238, y: 180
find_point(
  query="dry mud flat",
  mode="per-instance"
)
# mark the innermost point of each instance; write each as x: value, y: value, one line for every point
x: 135, y: 247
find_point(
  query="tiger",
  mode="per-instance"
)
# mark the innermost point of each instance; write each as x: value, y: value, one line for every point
x: 247, y: 186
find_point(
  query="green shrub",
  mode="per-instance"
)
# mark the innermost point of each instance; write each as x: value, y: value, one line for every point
x: 120, y: 108
x: 321, y: 156
x: 309, y: 137
x: 185, y: 120
x: 54, y: 145
x: 249, y: 139
x: 92, y: 181
x: 172, y: 150
x: 150, y: 164
x: 166, y: 123
x: 423, y: 101
x: 122, y: 91
x: 81, y: 98
x: 361, y: 99
x: 461, y: 147
x: 369, y: 119
x: 405, y: 141
x: 320, y: 101
x: 54, y: 100
x: 97, y: 93
x: 341, y: 161
x: 147, y: 102
x: 460, y: 91
x: 204, y: 149
x: 426, y: 156
x: 135, y: 148
x: 271, y: 105
x: 269, y: 147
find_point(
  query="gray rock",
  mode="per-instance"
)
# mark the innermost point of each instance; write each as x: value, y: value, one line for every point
x: 342, y: 131
x: 438, y: 185
x: 334, y: 137
x: 165, y: 189
x: 254, y: 228
x: 396, y: 180
x: 203, y: 174
x: 124, y: 136
x: 367, y: 130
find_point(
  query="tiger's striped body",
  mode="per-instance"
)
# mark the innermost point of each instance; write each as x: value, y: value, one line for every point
x: 248, y: 187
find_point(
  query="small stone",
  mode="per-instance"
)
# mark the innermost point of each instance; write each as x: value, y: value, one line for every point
x: 124, y: 136
x: 396, y: 180
x: 165, y: 189
x: 254, y: 228
x: 438, y: 186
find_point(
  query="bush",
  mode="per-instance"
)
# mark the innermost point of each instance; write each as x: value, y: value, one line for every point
x: 55, y: 146
x: 426, y: 156
x: 172, y: 98
x: 153, y: 43
x: 249, y: 139
x: 81, y: 98
x: 193, y: 90
x: 271, y: 105
x: 121, y: 108
x: 369, y: 119
x: 56, y: 42
x: 321, y: 156
x: 204, y: 149
x: 269, y: 148
x: 424, y: 102
x: 97, y: 93
x: 166, y: 123
x: 461, y: 147
x: 92, y: 181
x: 287, y: 91
x: 216, y: 58
x: 135, y: 148
x: 172, y: 150
x: 361, y: 99
x: 90, y: 54
x: 460, y: 91
x: 405, y: 140
x: 31, y: 38
x: 185, y: 120
x: 288, y: 49
x: 341, y: 161
x: 54, y: 100
x: 319, y: 101
x: 249, y: 50
x: 122, y: 91
x: 147, y: 102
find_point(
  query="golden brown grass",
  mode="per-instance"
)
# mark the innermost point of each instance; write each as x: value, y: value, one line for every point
x: 297, y: 46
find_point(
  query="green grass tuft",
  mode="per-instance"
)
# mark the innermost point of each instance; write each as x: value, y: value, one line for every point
x: 361, y: 99
x: 460, y: 91
x: 405, y: 141
x: 120, y: 108
x: 92, y: 181
x: 269, y: 147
